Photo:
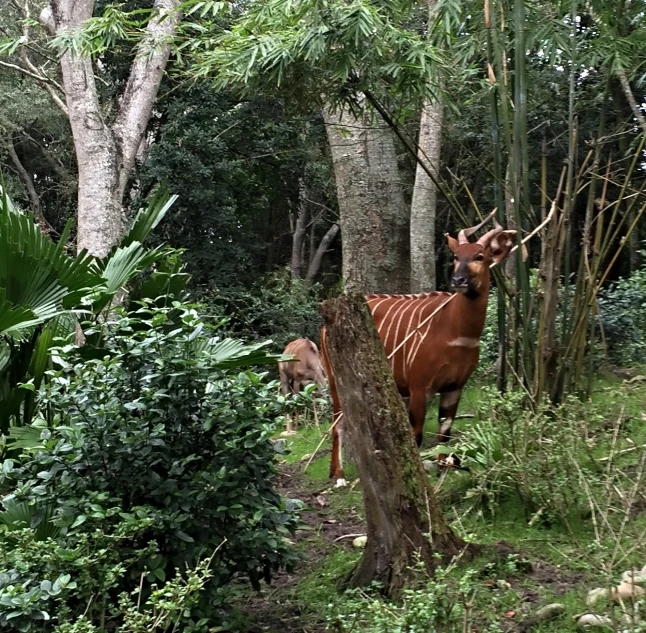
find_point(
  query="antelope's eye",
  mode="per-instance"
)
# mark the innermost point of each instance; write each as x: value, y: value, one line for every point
x: 455, y: 258
x: 479, y: 258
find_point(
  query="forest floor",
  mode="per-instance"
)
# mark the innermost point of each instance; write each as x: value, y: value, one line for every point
x: 547, y: 562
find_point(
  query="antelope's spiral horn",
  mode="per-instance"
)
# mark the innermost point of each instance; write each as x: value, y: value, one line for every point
x: 489, y: 235
x: 465, y: 234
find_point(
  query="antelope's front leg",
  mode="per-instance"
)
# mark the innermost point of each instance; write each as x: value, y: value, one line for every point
x: 417, y: 414
x: 446, y: 414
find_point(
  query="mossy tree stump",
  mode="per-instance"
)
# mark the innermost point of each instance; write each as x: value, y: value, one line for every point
x: 403, y: 517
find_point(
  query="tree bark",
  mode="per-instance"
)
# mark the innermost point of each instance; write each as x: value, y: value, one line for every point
x: 402, y: 514
x: 423, y: 208
x: 424, y: 203
x: 373, y: 216
x: 510, y: 216
x: 315, y: 264
x: 106, y: 152
x: 298, y: 241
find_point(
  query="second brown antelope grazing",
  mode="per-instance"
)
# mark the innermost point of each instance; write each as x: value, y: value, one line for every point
x: 305, y: 369
x: 436, y: 354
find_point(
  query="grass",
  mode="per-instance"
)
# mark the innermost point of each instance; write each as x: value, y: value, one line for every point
x: 568, y: 553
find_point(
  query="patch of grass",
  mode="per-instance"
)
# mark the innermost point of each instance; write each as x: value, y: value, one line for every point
x: 319, y: 587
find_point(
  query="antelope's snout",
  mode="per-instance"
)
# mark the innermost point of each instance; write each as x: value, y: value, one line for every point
x: 460, y: 282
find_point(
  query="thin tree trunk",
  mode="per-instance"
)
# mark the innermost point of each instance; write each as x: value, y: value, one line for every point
x: 373, y: 216
x: 298, y: 241
x: 311, y: 249
x: 403, y: 518
x: 424, y: 203
x: 510, y: 216
x: 106, y: 152
x: 315, y: 264
x: 423, y: 208
x: 34, y: 198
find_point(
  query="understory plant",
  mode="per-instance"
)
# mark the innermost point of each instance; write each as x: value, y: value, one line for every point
x: 455, y: 598
x: 153, y: 455
x: 623, y: 320
x: 544, y: 457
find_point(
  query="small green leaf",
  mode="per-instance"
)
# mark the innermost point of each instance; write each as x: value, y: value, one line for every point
x: 80, y: 519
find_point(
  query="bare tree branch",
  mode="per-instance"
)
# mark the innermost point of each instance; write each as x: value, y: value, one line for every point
x: 22, y: 70
x: 630, y: 97
x: 143, y: 84
x: 28, y: 68
x: 56, y: 165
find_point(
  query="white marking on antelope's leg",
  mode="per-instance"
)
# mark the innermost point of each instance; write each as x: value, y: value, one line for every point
x: 446, y: 414
x: 464, y: 341
x: 340, y: 482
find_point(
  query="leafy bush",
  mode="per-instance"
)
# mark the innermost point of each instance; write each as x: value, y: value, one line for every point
x: 277, y: 307
x: 41, y: 286
x: 622, y: 314
x: 157, y: 455
x: 446, y: 602
x: 538, y: 457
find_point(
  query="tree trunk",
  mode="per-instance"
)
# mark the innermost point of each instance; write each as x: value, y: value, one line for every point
x: 510, y: 216
x: 423, y: 208
x: 402, y: 513
x: 298, y: 241
x: 424, y: 203
x: 315, y: 264
x: 373, y: 216
x: 106, y: 152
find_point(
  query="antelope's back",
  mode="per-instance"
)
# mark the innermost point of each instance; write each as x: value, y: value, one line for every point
x: 395, y: 316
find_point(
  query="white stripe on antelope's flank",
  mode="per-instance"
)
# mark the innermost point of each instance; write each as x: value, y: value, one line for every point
x: 464, y: 341
x: 384, y: 320
x: 379, y: 301
x: 419, y: 305
x: 404, y: 309
x: 422, y: 335
x: 407, y: 328
x: 398, y: 304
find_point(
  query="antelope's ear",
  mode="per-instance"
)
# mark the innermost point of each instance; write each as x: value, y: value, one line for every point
x: 501, y: 245
x: 453, y: 243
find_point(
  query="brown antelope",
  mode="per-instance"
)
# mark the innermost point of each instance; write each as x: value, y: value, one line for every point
x: 442, y: 352
x: 305, y: 369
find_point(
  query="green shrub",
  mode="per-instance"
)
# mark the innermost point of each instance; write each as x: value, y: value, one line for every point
x: 277, y: 307
x: 623, y: 317
x: 448, y: 601
x: 538, y: 457
x: 163, y: 433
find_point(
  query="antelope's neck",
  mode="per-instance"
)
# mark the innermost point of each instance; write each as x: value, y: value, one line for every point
x: 469, y: 314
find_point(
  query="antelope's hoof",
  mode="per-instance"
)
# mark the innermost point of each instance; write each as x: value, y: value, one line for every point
x: 445, y: 461
x: 340, y: 483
